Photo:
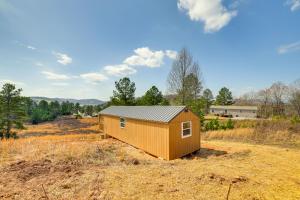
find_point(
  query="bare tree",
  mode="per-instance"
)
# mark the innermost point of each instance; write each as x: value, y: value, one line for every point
x: 294, y: 96
x: 185, y: 77
x: 248, y: 99
x: 264, y: 97
x: 278, y: 94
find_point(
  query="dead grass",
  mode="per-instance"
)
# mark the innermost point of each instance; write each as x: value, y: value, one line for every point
x: 279, y: 132
x: 82, y: 166
x: 62, y: 126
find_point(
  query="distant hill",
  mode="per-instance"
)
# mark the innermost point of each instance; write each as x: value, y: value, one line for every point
x: 80, y: 101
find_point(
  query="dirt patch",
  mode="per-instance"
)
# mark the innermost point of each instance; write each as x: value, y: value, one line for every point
x: 26, y: 171
x: 219, y: 179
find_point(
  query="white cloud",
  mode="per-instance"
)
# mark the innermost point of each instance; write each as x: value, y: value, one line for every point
x: 145, y: 57
x: 54, y: 76
x: 63, y: 59
x: 119, y: 70
x: 93, y: 78
x: 60, y: 84
x: 211, y: 12
x: 171, y: 54
x: 289, y: 48
x: 31, y: 47
x: 295, y: 4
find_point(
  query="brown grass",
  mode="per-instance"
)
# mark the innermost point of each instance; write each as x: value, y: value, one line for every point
x: 62, y: 126
x: 81, y: 166
x: 279, y: 132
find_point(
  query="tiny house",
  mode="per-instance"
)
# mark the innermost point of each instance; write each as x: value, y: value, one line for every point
x: 168, y: 132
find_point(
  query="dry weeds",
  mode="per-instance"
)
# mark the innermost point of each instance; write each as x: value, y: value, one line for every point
x: 82, y: 166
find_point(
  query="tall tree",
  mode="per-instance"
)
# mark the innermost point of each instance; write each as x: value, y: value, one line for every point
x: 152, y: 97
x: 294, y: 96
x: 124, y: 93
x: 265, y: 108
x: 278, y: 94
x: 207, y: 99
x: 12, y: 113
x: 184, y: 77
x: 224, y: 97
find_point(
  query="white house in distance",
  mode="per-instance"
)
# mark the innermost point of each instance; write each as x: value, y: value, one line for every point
x: 234, y: 111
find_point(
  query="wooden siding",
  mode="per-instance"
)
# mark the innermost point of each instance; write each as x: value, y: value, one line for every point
x: 182, y: 146
x: 151, y: 137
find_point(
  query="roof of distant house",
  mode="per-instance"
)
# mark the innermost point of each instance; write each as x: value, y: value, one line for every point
x: 235, y: 107
x: 149, y: 113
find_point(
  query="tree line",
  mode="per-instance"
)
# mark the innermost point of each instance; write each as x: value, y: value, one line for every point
x: 278, y: 100
x: 185, y: 87
x: 15, y: 110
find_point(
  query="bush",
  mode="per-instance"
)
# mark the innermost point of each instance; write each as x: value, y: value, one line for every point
x: 295, y: 120
x: 215, y: 124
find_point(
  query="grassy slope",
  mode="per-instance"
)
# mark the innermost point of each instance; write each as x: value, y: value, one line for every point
x: 84, y: 167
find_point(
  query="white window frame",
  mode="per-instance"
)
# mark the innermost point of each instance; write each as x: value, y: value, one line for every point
x: 124, y: 122
x: 185, y: 136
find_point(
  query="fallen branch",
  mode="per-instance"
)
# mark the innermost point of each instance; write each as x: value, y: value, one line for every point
x: 228, y: 191
x: 45, y: 192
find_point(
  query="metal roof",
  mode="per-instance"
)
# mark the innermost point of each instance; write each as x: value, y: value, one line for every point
x: 150, y: 113
x: 235, y: 107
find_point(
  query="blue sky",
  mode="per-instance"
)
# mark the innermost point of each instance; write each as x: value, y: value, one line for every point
x: 77, y: 49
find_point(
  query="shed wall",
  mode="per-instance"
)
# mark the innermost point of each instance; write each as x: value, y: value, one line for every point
x: 152, y: 137
x: 182, y: 146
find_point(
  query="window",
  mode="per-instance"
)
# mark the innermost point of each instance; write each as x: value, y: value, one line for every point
x: 122, y: 122
x: 186, y: 129
x: 213, y: 110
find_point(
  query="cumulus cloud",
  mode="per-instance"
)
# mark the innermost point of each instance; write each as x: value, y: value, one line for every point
x: 294, y: 4
x: 119, y: 70
x: 93, y: 78
x: 289, y: 48
x: 212, y: 13
x: 145, y: 57
x: 63, y: 59
x: 54, y: 76
x: 171, y: 54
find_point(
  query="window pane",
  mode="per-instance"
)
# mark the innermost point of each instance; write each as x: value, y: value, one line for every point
x: 186, y: 132
x: 186, y: 125
x: 122, y: 120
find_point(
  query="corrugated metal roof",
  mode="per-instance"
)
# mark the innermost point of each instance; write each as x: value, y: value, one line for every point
x: 235, y: 107
x: 149, y: 113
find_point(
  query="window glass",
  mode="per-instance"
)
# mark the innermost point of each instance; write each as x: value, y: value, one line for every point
x: 186, y: 129
x: 122, y: 122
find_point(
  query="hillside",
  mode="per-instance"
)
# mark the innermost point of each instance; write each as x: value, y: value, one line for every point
x: 67, y: 159
x: 80, y: 101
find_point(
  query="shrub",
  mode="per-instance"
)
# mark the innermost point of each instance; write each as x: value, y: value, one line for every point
x: 295, y: 120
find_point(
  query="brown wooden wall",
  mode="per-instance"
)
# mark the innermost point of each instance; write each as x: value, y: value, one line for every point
x: 182, y: 146
x: 159, y: 139
x: 151, y: 137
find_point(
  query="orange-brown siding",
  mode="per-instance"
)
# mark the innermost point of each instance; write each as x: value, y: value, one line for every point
x: 159, y: 139
x: 182, y: 146
x: 151, y: 137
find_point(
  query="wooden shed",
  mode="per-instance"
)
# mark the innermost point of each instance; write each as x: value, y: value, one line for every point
x: 168, y: 132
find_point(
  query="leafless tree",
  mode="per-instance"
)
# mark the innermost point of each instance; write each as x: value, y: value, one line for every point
x: 294, y: 96
x: 265, y: 107
x: 185, y: 77
x: 278, y: 94
x: 248, y: 99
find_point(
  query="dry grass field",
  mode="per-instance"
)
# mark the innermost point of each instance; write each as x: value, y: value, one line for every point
x: 54, y: 161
